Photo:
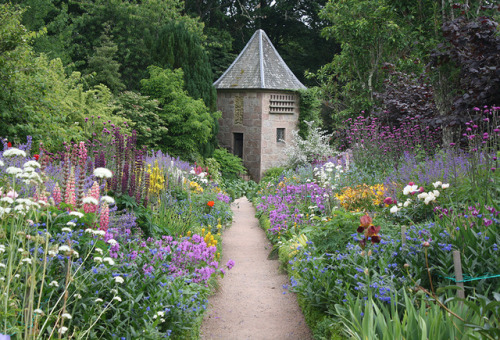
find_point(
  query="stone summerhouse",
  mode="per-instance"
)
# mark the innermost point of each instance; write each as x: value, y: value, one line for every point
x: 258, y: 98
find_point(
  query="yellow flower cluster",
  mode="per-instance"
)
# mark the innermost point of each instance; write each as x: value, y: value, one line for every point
x: 209, y: 238
x: 195, y: 187
x: 156, y: 179
x: 362, y: 197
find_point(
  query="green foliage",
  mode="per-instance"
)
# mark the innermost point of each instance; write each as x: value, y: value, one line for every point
x: 310, y: 107
x: 231, y: 165
x: 103, y: 66
x: 414, y: 321
x: 144, y: 114
x: 272, y: 174
x: 238, y: 188
x: 189, y: 121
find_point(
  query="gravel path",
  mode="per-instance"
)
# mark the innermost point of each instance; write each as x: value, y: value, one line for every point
x: 250, y: 303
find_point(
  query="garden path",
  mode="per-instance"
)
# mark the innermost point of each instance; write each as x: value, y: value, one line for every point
x: 251, y: 302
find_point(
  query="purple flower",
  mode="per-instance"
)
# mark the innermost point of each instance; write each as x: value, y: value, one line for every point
x: 230, y: 264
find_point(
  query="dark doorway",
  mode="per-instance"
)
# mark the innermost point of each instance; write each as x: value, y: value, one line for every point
x: 238, y: 145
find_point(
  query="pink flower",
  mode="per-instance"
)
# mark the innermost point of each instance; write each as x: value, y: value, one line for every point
x: 12, y: 194
x: 104, y: 218
x: 56, y: 195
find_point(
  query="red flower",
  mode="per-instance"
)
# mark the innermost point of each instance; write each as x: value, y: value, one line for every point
x: 365, y: 220
x: 9, y: 144
x: 388, y: 200
x: 36, y: 156
x: 210, y: 203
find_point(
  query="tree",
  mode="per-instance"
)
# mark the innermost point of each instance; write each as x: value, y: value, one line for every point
x: 189, y: 121
x: 103, y: 66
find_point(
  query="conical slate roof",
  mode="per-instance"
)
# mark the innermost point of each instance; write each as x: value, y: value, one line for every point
x: 259, y: 66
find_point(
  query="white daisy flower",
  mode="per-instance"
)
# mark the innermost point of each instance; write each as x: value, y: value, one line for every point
x: 103, y: 173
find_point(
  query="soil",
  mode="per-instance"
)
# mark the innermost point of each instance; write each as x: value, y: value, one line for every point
x: 251, y: 302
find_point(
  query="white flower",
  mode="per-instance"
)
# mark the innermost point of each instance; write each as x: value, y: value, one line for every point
x: 437, y: 184
x: 20, y: 250
x: 400, y: 205
x: 407, y: 203
x: 14, y: 152
x: 429, y: 198
x: 114, y: 291
x: 53, y: 253
x: 436, y: 193
x: 66, y: 316
x: 410, y: 189
x: 117, y: 298
x: 64, y: 248
x: 76, y: 213
x: 445, y: 185
x: 34, y: 176
x: 12, y: 170
x: 161, y: 313
x: 99, y: 250
x: 29, y: 169
x: 192, y: 172
x: 90, y: 200
x: 63, y: 330
x: 112, y: 241
x: 119, y: 279
x: 66, y: 229
x: 99, y: 232
x: 202, y: 174
x: 38, y: 311
x: 2, y: 265
x: 32, y: 164
x: 78, y: 296
x: 422, y: 195
x: 98, y: 259
x: 88, y: 230
x: 17, y: 276
x: 54, y: 284
x: 27, y: 260
x: 7, y: 199
x: 98, y: 300
x: 103, y: 173
x: 2, y: 278
x: 162, y: 320
x: 109, y: 260
x: 1, y: 163
x: 75, y: 254
x: 108, y: 199
x: 71, y: 224
x: 394, y: 209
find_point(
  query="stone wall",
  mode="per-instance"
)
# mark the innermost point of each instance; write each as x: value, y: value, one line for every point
x: 280, y: 110
x: 241, y: 113
x: 257, y: 115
